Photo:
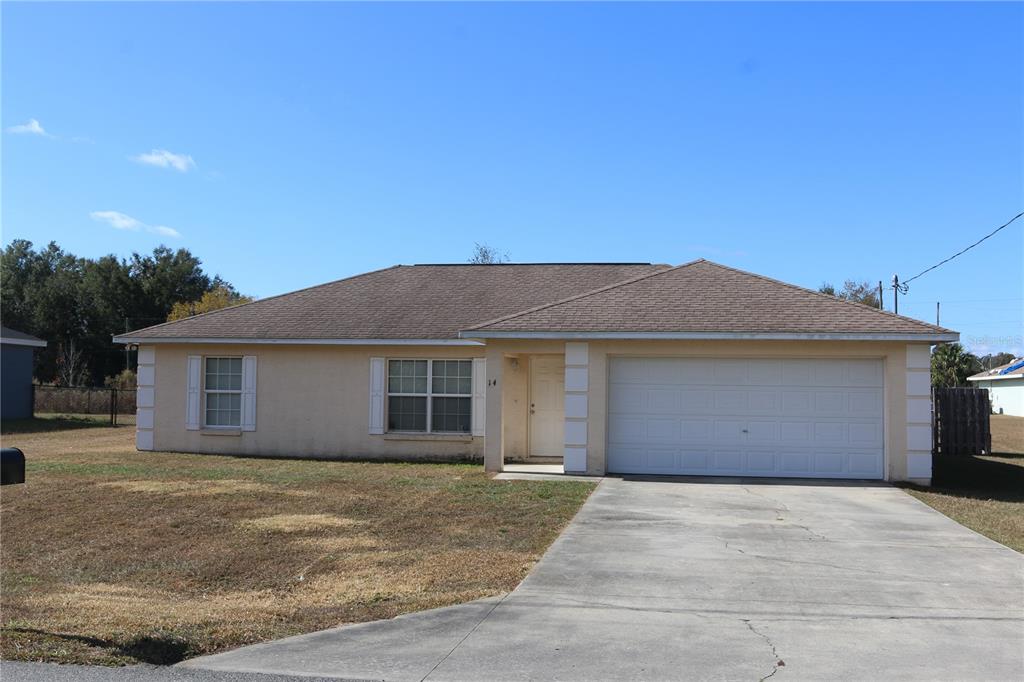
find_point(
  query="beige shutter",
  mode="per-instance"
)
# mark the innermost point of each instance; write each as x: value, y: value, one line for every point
x: 479, y: 407
x: 376, y: 395
x: 249, y: 393
x: 192, y: 399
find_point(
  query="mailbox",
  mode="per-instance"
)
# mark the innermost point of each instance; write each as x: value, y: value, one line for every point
x: 12, y: 466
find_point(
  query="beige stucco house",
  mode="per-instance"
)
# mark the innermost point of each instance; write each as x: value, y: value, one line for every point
x: 623, y: 368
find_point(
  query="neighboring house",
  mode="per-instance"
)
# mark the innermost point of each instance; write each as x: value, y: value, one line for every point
x: 1005, y: 386
x: 16, y: 349
x: 621, y: 368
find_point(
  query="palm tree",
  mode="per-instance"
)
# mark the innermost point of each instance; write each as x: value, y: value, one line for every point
x: 951, y: 365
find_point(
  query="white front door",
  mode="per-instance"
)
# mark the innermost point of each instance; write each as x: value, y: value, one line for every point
x: 547, y: 405
x: 800, y: 417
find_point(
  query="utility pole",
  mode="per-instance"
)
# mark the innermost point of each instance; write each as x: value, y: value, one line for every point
x: 881, y: 303
x: 896, y: 294
x: 937, y: 304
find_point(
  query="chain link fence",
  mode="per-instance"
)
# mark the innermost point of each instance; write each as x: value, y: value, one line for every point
x: 114, y: 404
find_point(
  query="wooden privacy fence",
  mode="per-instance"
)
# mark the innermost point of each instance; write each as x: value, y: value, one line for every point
x: 960, y: 421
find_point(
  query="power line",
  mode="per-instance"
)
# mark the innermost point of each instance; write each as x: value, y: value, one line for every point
x: 902, y: 286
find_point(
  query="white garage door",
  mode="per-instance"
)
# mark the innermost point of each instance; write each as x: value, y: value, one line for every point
x: 807, y: 418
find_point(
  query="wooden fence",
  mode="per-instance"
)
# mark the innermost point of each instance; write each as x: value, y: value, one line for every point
x: 960, y: 421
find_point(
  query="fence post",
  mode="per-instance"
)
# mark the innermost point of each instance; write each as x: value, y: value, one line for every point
x: 33, y: 414
x: 113, y: 407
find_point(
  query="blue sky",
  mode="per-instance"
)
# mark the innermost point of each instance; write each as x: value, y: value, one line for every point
x: 292, y: 144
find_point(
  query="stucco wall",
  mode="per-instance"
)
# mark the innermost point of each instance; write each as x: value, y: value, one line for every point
x: 311, y: 401
x: 16, y: 375
x: 900, y: 396
x: 1006, y: 395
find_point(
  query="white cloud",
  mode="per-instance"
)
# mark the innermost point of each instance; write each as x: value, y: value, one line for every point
x: 162, y: 158
x: 117, y: 220
x: 121, y: 221
x: 33, y: 127
x: 164, y: 230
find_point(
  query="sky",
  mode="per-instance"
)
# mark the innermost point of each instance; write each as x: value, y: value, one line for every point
x: 292, y: 144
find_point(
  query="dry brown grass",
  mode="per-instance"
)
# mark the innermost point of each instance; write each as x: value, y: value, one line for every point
x: 985, y: 494
x: 1007, y: 434
x: 112, y: 556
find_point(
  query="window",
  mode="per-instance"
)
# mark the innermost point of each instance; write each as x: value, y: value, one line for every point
x: 222, y: 391
x: 430, y: 395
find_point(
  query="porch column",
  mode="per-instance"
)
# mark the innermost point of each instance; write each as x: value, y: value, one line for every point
x: 577, y: 360
x: 494, y: 448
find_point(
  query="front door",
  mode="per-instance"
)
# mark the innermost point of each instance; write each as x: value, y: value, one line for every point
x: 547, y: 402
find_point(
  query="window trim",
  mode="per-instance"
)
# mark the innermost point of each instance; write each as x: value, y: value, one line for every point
x: 429, y: 395
x: 205, y: 392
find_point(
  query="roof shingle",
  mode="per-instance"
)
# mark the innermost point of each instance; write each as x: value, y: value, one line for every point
x: 401, y: 302
x: 706, y: 297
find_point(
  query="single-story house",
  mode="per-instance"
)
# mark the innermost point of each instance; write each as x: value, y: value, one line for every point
x: 16, y: 351
x: 632, y: 368
x: 1005, y: 386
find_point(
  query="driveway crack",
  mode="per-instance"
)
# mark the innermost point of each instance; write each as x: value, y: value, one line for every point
x: 471, y: 631
x: 779, y: 663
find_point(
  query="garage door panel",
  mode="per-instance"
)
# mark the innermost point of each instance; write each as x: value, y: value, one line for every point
x: 761, y: 463
x: 663, y: 400
x: 866, y: 403
x: 865, y: 373
x: 797, y: 372
x: 628, y: 371
x: 699, y: 400
x: 695, y: 461
x: 626, y: 399
x: 730, y: 372
x: 796, y: 402
x: 821, y: 418
x: 763, y: 402
x: 727, y: 461
x: 666, y: 430
x: 864, y: 464
x: 730, y: 402
x: 696, y: 431
x: 762, y: 431
x: 764, y: 373
x: 626, y: 429
x: 829, y: 462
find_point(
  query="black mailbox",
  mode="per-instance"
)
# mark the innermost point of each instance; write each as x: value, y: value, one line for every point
x: 12, y: 466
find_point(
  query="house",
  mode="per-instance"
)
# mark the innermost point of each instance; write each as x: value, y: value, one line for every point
x: 698, y: 369
x: 16, y: 349
x: 1005, y: 386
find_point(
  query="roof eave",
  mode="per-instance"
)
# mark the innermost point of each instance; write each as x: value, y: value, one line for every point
x: 143, y: 340
x: 925, y: 337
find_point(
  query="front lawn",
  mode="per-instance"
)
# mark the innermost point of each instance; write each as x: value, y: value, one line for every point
x: 112, y: 556
x: 985, y: 494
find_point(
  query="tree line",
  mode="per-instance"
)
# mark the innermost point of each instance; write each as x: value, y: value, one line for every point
x: 78, y: 304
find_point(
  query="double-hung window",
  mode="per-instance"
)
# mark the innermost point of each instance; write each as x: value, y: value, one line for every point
x: 222, y: 392
x: 432, y: 396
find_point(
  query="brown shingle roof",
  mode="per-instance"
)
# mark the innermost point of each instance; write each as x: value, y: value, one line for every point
x: 706, y: 297
x: 401, y: 302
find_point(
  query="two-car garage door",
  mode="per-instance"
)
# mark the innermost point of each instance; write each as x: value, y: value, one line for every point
x: 808, y: 418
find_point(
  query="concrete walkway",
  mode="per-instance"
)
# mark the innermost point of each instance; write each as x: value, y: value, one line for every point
x: 711, y: 579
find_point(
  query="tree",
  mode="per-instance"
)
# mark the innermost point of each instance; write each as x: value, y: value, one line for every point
x: 951, y: 365
x: 80, y: 303
x: 223, y: 296
x: 71, y: 370
x: 487, y: 255
x: 994, y: 360
x: 858, y: 292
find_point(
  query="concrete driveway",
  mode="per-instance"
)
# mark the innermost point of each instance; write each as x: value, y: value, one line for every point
x: 712, y: 579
